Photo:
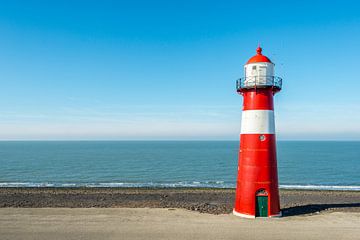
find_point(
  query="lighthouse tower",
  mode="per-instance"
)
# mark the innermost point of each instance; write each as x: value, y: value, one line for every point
x: 257, y: 191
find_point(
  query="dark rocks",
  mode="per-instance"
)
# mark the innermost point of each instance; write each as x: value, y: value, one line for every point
x: 214, y: 201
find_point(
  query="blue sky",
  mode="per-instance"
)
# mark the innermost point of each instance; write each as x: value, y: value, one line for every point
x: 167, y: 69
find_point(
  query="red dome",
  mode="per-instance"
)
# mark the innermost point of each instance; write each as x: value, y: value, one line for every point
x: 258, y: 57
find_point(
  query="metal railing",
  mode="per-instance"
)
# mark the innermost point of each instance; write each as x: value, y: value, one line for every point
x: 259, y: 82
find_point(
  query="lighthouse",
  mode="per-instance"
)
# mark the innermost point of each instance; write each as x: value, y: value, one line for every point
x: 257, y: 191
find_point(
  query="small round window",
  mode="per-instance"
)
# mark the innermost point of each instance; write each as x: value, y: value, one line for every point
x: 262, y: 137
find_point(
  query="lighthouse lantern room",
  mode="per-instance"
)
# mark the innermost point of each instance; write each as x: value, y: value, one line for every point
x: 257, y: 193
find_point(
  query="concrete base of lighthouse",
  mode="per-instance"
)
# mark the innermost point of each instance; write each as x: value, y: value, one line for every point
x: 243, y: 215
x: 253, y: 216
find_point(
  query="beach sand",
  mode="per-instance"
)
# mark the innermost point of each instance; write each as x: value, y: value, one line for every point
x: 155, y: 223
x: 134, y: 213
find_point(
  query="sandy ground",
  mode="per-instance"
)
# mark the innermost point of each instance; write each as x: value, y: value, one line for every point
x: 155, y: 223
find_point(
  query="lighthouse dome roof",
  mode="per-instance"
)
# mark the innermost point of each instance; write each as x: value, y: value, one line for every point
x: 258, y: 57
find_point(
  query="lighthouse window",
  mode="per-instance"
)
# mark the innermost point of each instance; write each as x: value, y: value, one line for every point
x: 254, y: 67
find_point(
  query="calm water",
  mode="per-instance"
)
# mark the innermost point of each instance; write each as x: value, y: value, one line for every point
x: 326, y: 165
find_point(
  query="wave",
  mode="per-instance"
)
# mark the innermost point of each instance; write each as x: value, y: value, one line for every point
x: 321, y: 187
x: 180, y: 184
x: 210, y: 184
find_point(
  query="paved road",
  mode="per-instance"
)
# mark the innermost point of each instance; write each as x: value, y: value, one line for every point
x: 125, y: 223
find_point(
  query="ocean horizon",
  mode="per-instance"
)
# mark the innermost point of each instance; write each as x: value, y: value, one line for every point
x: 316, y: 165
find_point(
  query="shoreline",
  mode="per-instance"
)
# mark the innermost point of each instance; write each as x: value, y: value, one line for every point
x: 204, y: 200
x: 195, y: 185
x: 153, y: 188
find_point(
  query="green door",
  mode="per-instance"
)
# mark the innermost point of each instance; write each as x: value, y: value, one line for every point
x: 261, y: 206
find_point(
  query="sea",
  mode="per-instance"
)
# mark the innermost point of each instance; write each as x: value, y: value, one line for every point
x: 329, y: 165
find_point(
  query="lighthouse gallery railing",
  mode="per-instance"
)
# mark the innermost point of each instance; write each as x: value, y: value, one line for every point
x: 258, y: 82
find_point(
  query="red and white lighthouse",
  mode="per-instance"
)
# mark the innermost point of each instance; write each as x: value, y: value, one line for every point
x: 257, y: 191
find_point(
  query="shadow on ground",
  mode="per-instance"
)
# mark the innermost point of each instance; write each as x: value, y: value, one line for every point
x: 316, y: 208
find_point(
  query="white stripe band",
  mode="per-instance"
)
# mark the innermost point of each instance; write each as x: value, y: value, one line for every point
x: 257, y: 122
